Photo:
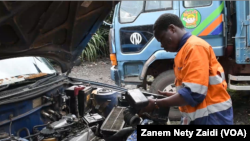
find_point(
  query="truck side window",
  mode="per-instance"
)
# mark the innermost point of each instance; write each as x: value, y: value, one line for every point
x: 189, y: 4
x: 129, y: 10
x: 158, y: 5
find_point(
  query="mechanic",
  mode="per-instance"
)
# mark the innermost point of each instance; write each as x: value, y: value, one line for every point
x: 201, y: 87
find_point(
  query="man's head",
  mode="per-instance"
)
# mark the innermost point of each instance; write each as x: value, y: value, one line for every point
x: 168, y: 30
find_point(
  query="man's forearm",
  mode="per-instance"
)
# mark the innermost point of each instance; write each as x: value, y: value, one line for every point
x: 174, y: 100
x: 169, y: 94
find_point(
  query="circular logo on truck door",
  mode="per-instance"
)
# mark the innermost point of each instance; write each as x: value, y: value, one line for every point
x: 191, y: 18
x: 135, y: 38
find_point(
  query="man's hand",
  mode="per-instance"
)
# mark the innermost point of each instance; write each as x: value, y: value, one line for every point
x: 149, y: 108
x: 165, y: 93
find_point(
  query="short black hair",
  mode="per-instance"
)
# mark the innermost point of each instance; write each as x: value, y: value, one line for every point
x: 165, y: 20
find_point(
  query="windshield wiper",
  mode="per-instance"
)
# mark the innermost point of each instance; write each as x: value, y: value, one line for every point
x: 4, y: 87
x: 35, y: 83
x: 42, y: 80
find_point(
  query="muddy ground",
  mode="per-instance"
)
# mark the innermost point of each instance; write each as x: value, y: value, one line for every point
x: 99, y: 71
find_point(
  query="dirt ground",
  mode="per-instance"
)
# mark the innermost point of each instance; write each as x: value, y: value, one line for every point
x: 99, y: 71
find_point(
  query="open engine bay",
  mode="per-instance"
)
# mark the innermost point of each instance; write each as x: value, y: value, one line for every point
x: 69, y: 109
x: 38, y: 104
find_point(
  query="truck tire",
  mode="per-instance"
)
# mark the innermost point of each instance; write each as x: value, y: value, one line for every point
x: 163, y: 82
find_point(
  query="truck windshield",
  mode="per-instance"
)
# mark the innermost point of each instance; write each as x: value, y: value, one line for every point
x: 157, y: 5
x: 129, y: 10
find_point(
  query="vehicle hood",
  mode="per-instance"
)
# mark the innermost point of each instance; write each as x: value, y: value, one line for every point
x: 57, y: 30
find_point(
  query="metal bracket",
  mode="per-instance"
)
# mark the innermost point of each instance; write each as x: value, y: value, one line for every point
x: 224, y: 25
x: 105, y: 23
x: 248, y: 17
x: 240, y: 37
x: 247, y: 22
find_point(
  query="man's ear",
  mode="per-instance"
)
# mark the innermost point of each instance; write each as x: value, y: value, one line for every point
x: 171, y: 28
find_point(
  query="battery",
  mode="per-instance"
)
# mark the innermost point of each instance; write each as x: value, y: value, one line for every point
x: 84, y: 101
x: 92, y: 119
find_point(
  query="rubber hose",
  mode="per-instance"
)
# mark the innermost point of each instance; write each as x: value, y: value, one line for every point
x: 120, y: 134
x: 32, y: 135
x: 40, y: 126
x: 130, y: 118
x: 27, y: 131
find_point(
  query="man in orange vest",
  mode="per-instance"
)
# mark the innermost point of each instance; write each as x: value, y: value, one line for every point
x: 202, y: 94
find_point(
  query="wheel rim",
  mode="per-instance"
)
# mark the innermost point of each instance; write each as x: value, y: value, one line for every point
x: 170, y: 88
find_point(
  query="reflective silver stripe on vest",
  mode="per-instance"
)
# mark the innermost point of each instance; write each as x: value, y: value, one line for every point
x: 196, y: 88
x: 223, y: 76
x: 214, y: 80
x: 201, y: 89
x: 209, y: 110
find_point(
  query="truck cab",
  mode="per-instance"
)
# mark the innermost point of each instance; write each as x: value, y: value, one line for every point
x: 134, y: 51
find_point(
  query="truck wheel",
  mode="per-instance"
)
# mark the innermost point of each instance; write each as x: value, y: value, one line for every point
x: 165, y: 82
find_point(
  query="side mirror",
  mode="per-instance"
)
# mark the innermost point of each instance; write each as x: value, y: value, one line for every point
x: 107, y: 24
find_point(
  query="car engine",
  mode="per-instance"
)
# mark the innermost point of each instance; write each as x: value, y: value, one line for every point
x: 79, y: 113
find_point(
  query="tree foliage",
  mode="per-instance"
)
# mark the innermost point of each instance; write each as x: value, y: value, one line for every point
x: 98, y: 45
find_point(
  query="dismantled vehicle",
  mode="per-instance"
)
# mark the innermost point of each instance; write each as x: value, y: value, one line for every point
x: 39, y: 104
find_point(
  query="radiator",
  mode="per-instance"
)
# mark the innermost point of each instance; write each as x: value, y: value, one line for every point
x: 114, y: 122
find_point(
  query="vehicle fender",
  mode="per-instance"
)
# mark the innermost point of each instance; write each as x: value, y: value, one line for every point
x: 158, y: 55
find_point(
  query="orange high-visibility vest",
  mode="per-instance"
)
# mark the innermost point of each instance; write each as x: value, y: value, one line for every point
x: 197, y: 69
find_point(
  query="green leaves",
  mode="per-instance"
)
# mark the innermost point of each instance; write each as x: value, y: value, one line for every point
x: 97, y: 46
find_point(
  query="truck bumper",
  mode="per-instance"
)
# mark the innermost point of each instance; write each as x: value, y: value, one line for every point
x: 115, y: 75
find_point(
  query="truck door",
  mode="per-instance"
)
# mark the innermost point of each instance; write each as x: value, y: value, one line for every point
x: 206, y: 20
x: 242, y: 37
x: 134, y: 40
